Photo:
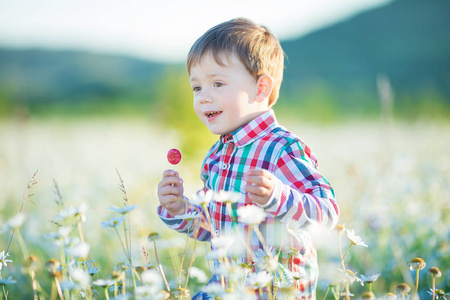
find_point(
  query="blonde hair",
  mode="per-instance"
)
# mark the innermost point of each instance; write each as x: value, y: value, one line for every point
x: 254, y: 45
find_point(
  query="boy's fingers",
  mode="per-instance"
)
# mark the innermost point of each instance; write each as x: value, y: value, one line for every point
x: 170, y: 181
x: 258, y: 180
x: 170, y: 173
x: 255, y: 189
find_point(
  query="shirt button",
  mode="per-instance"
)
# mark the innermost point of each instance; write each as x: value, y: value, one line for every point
x: 224, y: 166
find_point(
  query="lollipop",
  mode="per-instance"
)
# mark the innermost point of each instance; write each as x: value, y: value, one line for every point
x: 174, y: 157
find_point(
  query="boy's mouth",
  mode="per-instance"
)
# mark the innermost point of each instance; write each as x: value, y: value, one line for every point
x: 212, y: 114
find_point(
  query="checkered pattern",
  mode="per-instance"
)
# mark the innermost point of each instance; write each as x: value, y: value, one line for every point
x: 301, y: 197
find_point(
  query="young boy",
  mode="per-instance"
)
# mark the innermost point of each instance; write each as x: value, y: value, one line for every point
x: 236, y: 69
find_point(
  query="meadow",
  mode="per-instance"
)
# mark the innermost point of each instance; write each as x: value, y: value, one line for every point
x: 392, y: 183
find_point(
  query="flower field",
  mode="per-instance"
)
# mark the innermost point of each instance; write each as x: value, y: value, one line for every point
x: 78, y: 213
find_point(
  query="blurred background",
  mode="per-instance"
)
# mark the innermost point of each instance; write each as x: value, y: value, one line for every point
x: 91, y: 87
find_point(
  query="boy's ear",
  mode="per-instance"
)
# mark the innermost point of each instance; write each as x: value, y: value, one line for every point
x: 264, y: 86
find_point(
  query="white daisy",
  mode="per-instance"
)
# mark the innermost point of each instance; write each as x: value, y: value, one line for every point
x: 7, y: 281
x: 355, y: 239
x: 214, y: 289
x: 3, y: 259
x: 103, y: 282
x: 189, y: 216
x: 223, y: 242
x: 153, y: 279
x: 123, y: 210
x: 79, y: 250
x: 228, y: 197
x: 251, y: 214
x: 113, y: 222
x: 73, y: 212
x: 198, y: 274
x: 14, y: 223
x: 370, y: 279
x: 202, y: 198
x: 260, y: 279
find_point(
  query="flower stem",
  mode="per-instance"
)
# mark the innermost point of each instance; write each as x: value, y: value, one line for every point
x: 160, y: 268
x: 417, y: 284
x: 343, y: 257
x: 23, y: 247
x: 434, y: 287
x: 328, y: 289
x: 58, y: 287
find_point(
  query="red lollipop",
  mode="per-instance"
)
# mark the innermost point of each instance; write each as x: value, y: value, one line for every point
x: 174, y: 156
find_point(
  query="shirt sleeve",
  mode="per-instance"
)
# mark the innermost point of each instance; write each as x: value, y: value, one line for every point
x: 301, y: 196
x: 192, y: 228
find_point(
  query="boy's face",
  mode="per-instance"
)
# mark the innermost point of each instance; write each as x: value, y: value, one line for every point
x: 224, y: 96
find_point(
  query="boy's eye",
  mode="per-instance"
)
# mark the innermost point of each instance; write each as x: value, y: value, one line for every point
x: 196, y: 88
x: 218, y: 84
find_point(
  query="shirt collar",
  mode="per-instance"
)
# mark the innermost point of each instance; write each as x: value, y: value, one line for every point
x: 253, y: 130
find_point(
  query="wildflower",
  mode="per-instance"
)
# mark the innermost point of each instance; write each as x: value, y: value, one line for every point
x: 223, y: 242
x: 355, y: 239
x: 81, y: 277
x: 417, y: 264
x: 7, y: 281
x: 153, y: 236
x: 214, y: 289
x: 189, y: 216
x: 260, y: 279
x: 118, y: 275
x: 113, y: 223
x: 145, y: 292
x: 368, y: 296
x: 53, y: 267
x: 140, y: 269
x: 32, y: 263
x: 228, y: 197
x: 266, y: 261
x: 349, y: 277
x: 202, y: 197
x: 80, y: 250
x: 389, y: 296
x: 181, y: 293
x: 14, y: 223
x: 152, y: 278
x: 59, y: 236
x: 251, y: 214
x: 216, y: 254
x: 439, y: 294
x: 198, y: 274
x: 435, y: 272
x: 340, y: 228
x: 370, y: 279
x: 73, y: 212
x: 123, y: 210
x: 68, y: 285
x: 402, y: 289
x: 103, y: 282
x: 3, y: 259
x: 90, y: 267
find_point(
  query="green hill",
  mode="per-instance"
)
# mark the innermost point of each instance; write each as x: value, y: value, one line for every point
x: 407, y: 40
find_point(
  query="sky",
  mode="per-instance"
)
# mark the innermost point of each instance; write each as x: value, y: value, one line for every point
x: 156, y: 30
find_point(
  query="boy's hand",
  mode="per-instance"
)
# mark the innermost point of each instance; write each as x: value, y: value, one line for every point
x: 170, y: 193
x: 260, y: 185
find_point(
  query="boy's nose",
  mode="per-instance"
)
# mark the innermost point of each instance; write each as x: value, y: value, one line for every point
x: 204, y: 97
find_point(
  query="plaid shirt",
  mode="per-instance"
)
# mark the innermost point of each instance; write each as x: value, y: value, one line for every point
x: 302, y: 196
